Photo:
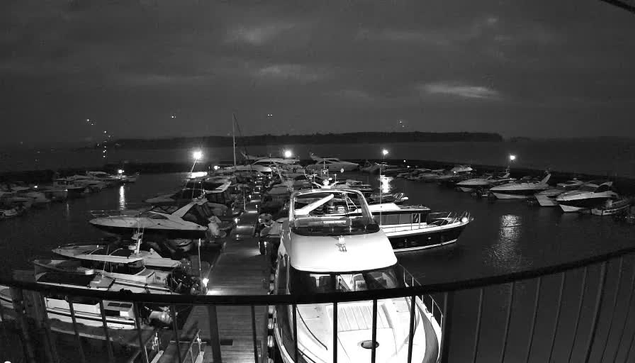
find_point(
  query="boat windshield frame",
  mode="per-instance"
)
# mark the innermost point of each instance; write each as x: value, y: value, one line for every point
x: 309, y: 283
x: 329, y: 212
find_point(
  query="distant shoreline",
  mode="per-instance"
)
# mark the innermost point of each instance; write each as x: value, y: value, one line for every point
x: 625, y: 185
x: 312, y: 139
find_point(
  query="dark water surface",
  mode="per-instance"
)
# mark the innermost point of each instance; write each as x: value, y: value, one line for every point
x: 505, y: 236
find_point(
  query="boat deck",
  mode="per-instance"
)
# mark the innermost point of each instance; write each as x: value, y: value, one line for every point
x: 239, y: 270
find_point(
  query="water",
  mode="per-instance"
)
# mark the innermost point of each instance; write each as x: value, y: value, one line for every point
x: 505, y: 236
x: 602, y: 157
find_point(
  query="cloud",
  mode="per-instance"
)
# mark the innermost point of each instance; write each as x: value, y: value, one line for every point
x: 460, y: 90
x: 294, y: 72
x: 355, y: 95
x: 258, y: 34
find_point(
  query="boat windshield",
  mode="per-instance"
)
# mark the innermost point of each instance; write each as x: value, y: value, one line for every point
x: 588, y: 188
x: 303, y: 282
x: 331, y: 213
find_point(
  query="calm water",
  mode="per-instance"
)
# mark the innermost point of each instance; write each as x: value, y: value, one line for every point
x: 505, y: 236
x: 614, y: 157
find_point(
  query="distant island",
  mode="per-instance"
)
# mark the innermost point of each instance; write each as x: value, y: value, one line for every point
x: 318, y: 138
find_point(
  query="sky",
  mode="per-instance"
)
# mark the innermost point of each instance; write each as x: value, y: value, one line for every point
x: 84, y: 70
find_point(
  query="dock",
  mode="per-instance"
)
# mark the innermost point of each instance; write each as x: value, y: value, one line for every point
x: 239, y: 269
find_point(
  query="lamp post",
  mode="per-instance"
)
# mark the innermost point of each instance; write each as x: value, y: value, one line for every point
x: 512, y: 157
x: 197, y: 155
x: 384, y: 152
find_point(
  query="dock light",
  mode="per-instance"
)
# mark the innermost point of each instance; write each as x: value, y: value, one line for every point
x: 120, y: 171
x: 384, y: 152
x: 216, y: 167
x: 288, y: 154
x: 205, y: 281
x: 197, y: 155
x: 512, y: 157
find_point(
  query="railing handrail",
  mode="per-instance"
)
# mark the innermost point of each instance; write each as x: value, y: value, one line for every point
x: 257, y: 300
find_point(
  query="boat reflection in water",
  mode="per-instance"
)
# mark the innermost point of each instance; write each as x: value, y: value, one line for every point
x: 326, y: 249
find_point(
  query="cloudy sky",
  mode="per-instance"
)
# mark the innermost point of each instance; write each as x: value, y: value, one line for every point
x: 157, y: 68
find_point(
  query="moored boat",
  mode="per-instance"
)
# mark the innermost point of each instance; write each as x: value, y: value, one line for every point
x: 321, y: 252
x: 411, y: 228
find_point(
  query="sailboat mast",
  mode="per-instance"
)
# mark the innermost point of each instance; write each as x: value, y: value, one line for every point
x: 234, y: 136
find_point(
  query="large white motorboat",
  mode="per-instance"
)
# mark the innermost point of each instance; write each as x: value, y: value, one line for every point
x: 484, y: 182
x: 331, y: 164
x: 190, y: 221
x: 590, y: 195
x: 520, y: 190
x: 324, y: 252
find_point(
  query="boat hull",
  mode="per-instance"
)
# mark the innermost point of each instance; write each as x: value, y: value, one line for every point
x: 576, y: 205
x: 424, y: 238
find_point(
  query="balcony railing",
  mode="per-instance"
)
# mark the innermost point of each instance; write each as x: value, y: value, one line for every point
x: 578, y: 311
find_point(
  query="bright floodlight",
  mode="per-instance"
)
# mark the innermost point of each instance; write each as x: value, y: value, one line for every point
x: 197, y: 155
x: 512, y: 157
x: 288, y: 154
x: 384, y: 152
x: 120, y: 171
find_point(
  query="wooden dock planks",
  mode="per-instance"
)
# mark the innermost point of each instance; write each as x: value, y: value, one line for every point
x: 240, y: 270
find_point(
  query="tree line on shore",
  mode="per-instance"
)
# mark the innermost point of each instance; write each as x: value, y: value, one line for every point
x: 312, y: 139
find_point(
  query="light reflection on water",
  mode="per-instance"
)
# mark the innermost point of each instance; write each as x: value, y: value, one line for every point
x: 505, y: 251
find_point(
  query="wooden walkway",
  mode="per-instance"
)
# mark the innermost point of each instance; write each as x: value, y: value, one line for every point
x: 239, y: 270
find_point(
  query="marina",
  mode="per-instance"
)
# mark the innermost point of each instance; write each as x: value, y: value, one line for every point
x: 476, y: 238
x: 409, y: 182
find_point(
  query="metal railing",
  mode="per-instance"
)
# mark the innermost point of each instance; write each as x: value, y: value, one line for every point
x: 577, y: 311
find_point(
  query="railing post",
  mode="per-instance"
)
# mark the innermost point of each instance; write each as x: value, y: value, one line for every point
x: 77, y: 337
x: 533, y: 319
x: 579, y: 313
x: 335, y: 307
x: 446, y: 324
x: 411, y: 329
x: 175, y: 326
x: 111, y: 357
x: 615, y: 297
x: 563, y: 279
x: 628, y: 313
x: 213, y: 333
x: 477, y: 330
x: 373, y: 351
x: 596, y: 313
x: 510, y: 306
x: 253, y: 333
x: 49, y: 344
x: 17, y: 298
x: 142, y: 346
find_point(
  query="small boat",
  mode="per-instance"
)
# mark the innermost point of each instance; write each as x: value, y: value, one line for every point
x: 520, y: 190
x: 87, y: 311
x: 484, y: 182
x: 189, y: 221
x: 411, y: 228
x: 332, y: 164
x: 613, y: 207
x: 592, y: 194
